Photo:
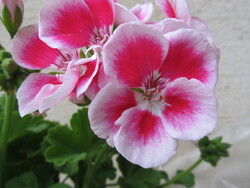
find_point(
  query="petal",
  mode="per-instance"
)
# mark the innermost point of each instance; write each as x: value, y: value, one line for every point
x: 190, y: 55
x: 30, y: 52
x: 99, y: 81
x: 133, y: 53
x: 182, y: 11
x: 99, y: 8
x: 70, y: 80
x: 66, y: 24
x: 166, y: 8
x: 172, y: 24
x: 86, y: 79
x: 107, y: 107
x: 143, y: 140
x: 123, y: 15
x: 175, y: 9
x: 191, y: 110
x: 143, y: 11
x: 200, y: 26
x: 34, y: 89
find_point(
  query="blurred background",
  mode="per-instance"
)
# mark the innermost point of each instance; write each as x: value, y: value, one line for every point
x: 229, y: 21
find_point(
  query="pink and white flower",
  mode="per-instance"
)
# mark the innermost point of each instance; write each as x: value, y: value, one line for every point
x: 138, y: 13
x: 178, y: 11
x: 143, y: 11
x: 41, y: 91
x: 74, y: 24
x: 163, y: 92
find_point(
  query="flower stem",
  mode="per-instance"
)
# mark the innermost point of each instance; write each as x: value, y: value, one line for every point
x: 9, y: 101
x: 182, y: 174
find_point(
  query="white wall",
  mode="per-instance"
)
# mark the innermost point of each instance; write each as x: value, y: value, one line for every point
x: 229, y: 20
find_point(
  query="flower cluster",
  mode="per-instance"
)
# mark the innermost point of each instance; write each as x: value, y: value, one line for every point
x: 151, y: 83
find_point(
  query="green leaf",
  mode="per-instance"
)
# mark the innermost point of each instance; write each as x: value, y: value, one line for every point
x: 187, y: 180
x: 21, y: 127
x: 137, y: 177
x: 70, y: 144
x: 59, y: 185
x: 24, y: 154
x: 25, y: 180
x: 69, y: 168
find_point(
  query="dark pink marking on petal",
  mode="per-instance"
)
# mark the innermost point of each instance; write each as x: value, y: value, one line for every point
x: 102, y: 12
x: 69, y: 82
x: 99, y: 81
x: 66, y: 24
x: 34, y: 89
x: 86, y: 79
x: 175, y: 9
x: 191, y: 110
x: 190, y: 55
x: 166, y: 7
x: 30, y: 52
x: 133, y: 53
x: 107, y: 107
x: 142, y: 139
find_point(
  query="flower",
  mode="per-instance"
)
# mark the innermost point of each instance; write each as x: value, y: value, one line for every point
x: 162, y: 91
x: 41, y: 91
x: 143, y: 11
x: 178, y: 11
x: 74, y: 24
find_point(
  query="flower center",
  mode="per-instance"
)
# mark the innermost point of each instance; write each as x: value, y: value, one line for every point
x: 152, y: 94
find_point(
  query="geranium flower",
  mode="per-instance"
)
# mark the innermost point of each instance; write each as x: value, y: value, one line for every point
x: 178, y: 11
x: 163, y: 92
x: 143, y: 11
x: 138, y: 13
x: 41, y: 91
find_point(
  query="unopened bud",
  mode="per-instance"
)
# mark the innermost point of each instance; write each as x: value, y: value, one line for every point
x: 4, y: 54
x: 1, y: 47
x: 9, y: 65
x: 2, y: 79
x: 11, y: 13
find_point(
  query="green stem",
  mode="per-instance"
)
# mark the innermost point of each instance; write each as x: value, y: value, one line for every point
x: 92, y: 170
x: 182, y: 174
x: 112, y: 185
x: 4, y: 135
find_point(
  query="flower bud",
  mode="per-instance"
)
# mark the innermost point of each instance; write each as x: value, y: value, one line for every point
x: 1, y: 47
x: 4, y: 54
x: 2, y: 79
x: 11, y: 12
x: 9, y: 65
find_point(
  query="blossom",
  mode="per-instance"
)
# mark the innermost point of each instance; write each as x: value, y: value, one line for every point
x: 178, y: 11
x: 74, y: 24
x: 162, y: 92
x: 143, y: 11
x: 138, y: 13
x: 41, y: 91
